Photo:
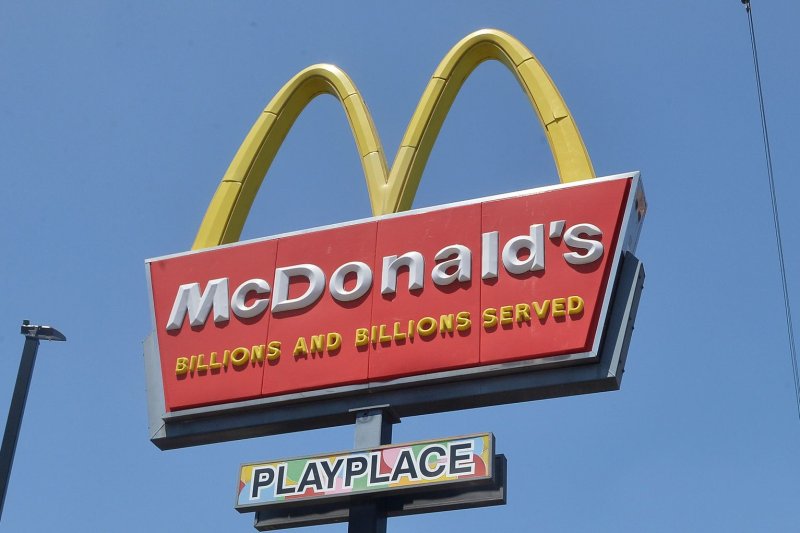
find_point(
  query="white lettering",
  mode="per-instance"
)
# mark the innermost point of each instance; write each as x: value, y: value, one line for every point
x: 489, y: 255
x: 521, y: 254
x: 283, y: 276
x: 198, y: 306
x: 594, y: 249
x: 363, y: 281
x: 535, y: 246
x: 238, y: 301
x: 462, y: 262
x: 416, y: 265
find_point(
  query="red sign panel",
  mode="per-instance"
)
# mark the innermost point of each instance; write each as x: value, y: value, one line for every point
x: 518, y: 279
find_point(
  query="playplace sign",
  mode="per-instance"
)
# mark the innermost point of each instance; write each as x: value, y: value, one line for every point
x: 520, y: 279
x: 427, y: 465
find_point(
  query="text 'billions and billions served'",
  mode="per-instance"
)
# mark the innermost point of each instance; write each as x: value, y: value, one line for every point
x: 399, y: 333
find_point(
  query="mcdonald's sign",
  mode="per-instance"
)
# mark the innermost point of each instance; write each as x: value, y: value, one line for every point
x: 506, y: 298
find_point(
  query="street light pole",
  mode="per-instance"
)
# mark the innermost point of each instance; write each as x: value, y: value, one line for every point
x: 33, y: 334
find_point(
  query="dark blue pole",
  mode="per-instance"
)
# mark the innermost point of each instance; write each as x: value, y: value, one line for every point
x: 32, y: 336
x: 15, y: 413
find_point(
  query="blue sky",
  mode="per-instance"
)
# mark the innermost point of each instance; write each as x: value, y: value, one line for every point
x: 117, y: 120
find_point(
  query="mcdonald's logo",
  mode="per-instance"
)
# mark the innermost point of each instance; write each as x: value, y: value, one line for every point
x: 390, y: 190
x: 514, y: 284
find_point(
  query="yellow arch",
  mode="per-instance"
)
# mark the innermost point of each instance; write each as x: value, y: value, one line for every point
x: 389, y: 191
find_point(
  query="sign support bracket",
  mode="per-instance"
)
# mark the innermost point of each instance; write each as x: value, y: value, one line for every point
x: 373, y: 428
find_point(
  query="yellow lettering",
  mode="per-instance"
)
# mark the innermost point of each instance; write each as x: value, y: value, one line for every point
x: 463, y: 323
x: 426, y: 326
x: 574, y: 305
x: 362, y: 337
x: 274, y: 351
x: 257, y: 353
x: 558, y: 307
x: 181, y: 366
x: 317, y: 344
x: 373, y: 335
x: 397, y: 335
x: 489, y: 317
x: 382, y: 336
x: 300, y: 347
x: 200, y: 366
x: 240, y: 356
x: 446, y: 323
x: 505, y: 314
x: 541, y: 310
x: 411, y: 329
x: 523, y: 312
x: 334, y: 342
x: 213, y: 364
x: 193, y: 363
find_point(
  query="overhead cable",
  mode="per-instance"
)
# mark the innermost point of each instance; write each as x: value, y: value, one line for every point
x: 775, y: 218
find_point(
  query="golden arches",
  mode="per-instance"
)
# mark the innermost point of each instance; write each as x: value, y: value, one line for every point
x: 389, y: 191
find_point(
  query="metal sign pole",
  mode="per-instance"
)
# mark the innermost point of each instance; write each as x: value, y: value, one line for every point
x: 17, y: 409
x: 373, y: 428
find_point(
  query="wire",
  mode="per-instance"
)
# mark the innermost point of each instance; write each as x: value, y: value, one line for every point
x: 775, y: 219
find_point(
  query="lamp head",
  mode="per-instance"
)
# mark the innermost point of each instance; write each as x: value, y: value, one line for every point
x: 47, y: 333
